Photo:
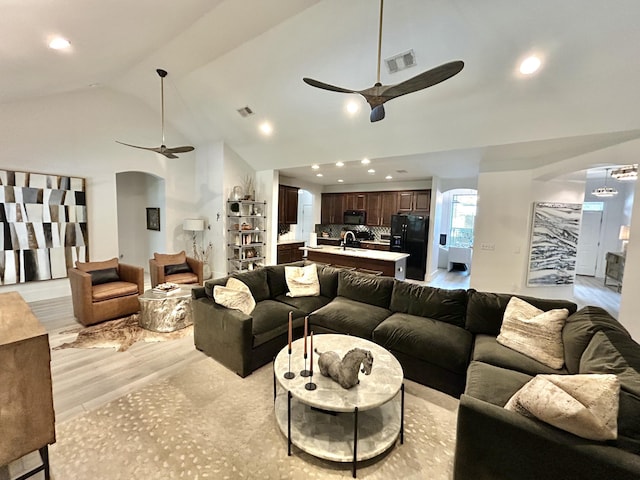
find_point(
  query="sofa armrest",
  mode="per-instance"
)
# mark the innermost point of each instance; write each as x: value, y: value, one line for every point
x: 494, y: 443
x: 197, y: 267
x: 133, y: 274
x: 223, y: 333
x: 81, y: 294
x: 198, y: 292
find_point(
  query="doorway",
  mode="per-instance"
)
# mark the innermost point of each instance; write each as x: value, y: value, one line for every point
x: 589, y: 242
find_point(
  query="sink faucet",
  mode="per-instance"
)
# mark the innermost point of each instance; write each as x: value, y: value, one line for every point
x: 344, y: 240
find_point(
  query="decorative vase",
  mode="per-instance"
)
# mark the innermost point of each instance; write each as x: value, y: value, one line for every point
x: 206, y: 271
x: 238, y: 193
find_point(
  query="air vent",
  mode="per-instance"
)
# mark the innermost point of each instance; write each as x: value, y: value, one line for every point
x: 401, y: 171
x: 245, y: 112
x: 401, y: 61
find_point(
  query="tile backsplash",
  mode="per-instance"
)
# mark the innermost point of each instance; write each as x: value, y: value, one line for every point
x: 335, y: 229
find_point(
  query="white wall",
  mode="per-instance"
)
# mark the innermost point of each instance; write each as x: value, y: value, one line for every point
x: 74, y: 134
x: 630, y: 303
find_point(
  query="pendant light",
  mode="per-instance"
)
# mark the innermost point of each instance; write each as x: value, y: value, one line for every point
x: 627, y: 173
x: 605, y: 192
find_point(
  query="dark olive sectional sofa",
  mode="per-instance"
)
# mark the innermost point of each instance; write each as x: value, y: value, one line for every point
x: 445, y: 339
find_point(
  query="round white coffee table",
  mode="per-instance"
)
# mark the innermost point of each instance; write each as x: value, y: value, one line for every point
x: 333, y: 423
x: 166, y: 312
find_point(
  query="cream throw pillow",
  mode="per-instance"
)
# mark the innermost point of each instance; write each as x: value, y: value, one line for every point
x: 533, y: 332
x: 234, y: 295
x: 302, y: 281
x: 585, y: 405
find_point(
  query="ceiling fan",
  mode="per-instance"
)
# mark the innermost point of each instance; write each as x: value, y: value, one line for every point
x: 377, y: 95
x: 168, y: 152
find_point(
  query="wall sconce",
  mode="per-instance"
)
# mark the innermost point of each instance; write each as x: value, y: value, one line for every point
x: 624, y: 236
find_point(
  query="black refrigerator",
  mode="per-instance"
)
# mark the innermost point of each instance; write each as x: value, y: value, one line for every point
x: 409, y: 235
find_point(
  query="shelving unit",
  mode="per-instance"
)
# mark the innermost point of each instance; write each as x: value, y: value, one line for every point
x: 246, y: 233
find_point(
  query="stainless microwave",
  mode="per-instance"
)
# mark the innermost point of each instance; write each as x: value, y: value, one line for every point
x: 355, y: 217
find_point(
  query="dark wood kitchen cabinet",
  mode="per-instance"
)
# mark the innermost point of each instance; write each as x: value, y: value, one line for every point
x: 388, y: 207
x: 414, y: 201
x: 290, y: 252
x: 373, y: 209
x: 355, y: 201
x: 287, y: 204
x: 332, y: 208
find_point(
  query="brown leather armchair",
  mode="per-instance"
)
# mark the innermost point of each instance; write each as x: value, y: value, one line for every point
x: 105, y: 290
x: 175, y: 268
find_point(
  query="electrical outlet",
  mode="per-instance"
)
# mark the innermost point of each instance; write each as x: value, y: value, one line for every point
x: 488, y: 246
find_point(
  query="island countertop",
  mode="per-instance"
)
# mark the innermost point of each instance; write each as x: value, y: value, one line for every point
x: 358, y: 252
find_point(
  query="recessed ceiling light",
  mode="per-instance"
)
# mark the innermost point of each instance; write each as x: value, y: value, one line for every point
x: 339, y: 164
x: 266, y: 128
x: 365, y: 161
x: 315, y: 167
x: 59, y: 43
x: 388, y: 177
x: 371, y: 170
x: 340, y: 180
x: 319, y: 175
x: 530, y: 65
x: 352, y: 107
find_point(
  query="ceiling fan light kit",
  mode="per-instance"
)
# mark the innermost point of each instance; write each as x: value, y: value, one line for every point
x: 169, y: 152
x: 628, y: 173
x: 604, y: 192
x: 379, y: 94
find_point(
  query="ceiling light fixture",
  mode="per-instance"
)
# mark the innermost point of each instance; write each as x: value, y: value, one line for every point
x: 59, y: 43
x: 352, y: 107
x: 319, y: 175
x: 604, y: 192
x: 627, y: 173
x: 388, y: 177
x: 315, y: 167
x: 365, y: 161
x: 266, y: 128
x: 339, y: 164
x: 530, y: 65
x: 371, y: 170
x: 340, y: 180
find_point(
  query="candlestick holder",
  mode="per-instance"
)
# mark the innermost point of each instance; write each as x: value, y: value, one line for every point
x: 305, y: 372
x: 289, y: 375
x: 310, y: 385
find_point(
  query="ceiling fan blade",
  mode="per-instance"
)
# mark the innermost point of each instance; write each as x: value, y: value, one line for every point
x: 377, y: 113
x: 424, y: 80
x: 326, y: 86
x: 184, y: 149
x: 168, y: 154
x: 152, y: 149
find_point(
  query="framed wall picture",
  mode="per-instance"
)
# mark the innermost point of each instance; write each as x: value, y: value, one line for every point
x: 153, y: 219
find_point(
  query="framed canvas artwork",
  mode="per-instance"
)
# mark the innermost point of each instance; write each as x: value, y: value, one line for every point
x: 153, y: 219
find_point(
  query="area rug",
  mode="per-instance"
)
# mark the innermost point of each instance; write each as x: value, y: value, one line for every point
x: 119, y: 334
x: 208, y: 423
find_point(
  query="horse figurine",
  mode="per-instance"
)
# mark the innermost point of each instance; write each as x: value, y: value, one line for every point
x: 345, y: 371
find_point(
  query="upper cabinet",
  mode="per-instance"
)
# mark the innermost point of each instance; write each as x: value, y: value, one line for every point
x: 414, y: 201
x: 388, y: 207
x: 355, y: 201
x: 287, y: 204
x: 332, y: 208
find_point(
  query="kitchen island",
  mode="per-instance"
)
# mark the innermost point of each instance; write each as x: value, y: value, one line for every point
x: 391, y: 264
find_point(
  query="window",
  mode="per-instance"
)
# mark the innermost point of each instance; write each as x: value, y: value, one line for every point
x: 463, y: 214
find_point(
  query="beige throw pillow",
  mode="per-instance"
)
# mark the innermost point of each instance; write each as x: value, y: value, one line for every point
x: 585, y: 405
x: 302, y: 281
x: 235, y: 294
x: 533, y: 332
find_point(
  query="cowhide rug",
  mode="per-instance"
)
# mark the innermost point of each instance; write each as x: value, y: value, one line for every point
x: 119, y: 334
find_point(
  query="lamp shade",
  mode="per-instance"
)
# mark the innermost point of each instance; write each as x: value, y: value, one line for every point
x: 193, y: 224
x: 624, y: 232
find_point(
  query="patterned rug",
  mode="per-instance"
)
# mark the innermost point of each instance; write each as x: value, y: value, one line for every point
x: 208, y: 423
x: 119, y: 334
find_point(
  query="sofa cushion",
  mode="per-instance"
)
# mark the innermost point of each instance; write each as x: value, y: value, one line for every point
x: 328, y: 278
x: 485, y: 310
x: 495, y: 385
x: 487, y: 349
x: 107, y: 291
x: 276, y: 280
x: 366, y: 288
x: 533, y: 332
x: 104, y: 275
x: 350, y: 317
x: 614, y: 352
x: 256, y: 280
x: 433, y: 341
x: 305, y: 304
x: 271, y: 319
x: 182, y: 278
x: 437, y: 303
x: 579, y: 329
x: 302, y: 281
x: 585, y: 405
x: 629, y: 422
x: 170, y: 258
x: 235, y: 295
x: 91, y: 266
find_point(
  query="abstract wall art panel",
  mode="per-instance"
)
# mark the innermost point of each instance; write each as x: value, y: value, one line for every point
x: 554, y: 244
x: 43, y: 226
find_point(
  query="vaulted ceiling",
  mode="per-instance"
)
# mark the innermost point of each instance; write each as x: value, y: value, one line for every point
x: 223, y: 55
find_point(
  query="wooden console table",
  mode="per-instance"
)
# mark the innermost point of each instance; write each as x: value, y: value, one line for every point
x: 27, y: 420
x: 615, y: 268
